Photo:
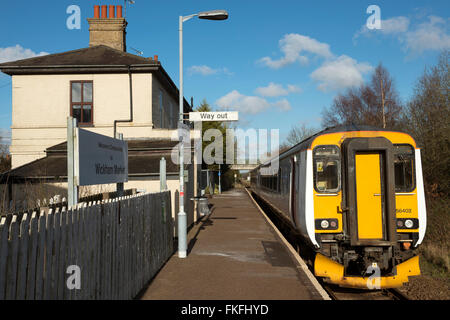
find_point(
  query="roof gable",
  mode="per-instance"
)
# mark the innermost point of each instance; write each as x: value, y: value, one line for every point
x: 92, y: 60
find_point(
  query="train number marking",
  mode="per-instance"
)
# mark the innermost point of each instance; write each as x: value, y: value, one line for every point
x: 408, y: 210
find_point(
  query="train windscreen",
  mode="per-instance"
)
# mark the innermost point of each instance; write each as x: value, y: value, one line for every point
x: 404, y: 168
x: 327, y: 169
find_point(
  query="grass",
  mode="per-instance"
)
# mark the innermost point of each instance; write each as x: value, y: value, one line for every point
x: 435, y: 249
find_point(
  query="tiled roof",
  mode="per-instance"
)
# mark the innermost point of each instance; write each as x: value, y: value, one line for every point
x: 93, y: 60
x: 143, y: 160
x: 92, y: 56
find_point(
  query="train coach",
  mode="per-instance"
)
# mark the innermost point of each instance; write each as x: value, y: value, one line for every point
x: 356, y: 196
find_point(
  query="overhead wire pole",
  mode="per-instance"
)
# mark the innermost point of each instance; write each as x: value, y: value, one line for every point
x: 182, y: 218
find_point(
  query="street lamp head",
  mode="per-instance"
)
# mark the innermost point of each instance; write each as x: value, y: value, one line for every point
x: 213, y: 15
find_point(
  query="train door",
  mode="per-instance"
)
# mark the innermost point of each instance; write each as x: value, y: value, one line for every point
x: 370, y: 195
x: 293, y: 190
x: 370, y: 190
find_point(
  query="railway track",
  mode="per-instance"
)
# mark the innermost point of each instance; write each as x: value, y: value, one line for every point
x: 335, y: 292
x: 338, y: 293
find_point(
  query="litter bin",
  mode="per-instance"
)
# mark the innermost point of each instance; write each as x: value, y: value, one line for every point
x: 202, y: 206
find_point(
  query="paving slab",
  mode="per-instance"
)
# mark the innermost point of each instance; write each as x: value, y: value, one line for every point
x: 234, y: 254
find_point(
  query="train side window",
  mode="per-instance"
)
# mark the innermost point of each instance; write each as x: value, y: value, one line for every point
x: 327, y: 169
x: 404, y: 168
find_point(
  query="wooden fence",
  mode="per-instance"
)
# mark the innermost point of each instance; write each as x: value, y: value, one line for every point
x: 119, y: 245
x: 56, y: 201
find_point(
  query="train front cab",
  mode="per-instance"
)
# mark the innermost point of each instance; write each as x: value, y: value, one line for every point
x: 369, y: 208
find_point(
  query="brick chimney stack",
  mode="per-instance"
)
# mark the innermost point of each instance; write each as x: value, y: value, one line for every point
x: 108, y: 30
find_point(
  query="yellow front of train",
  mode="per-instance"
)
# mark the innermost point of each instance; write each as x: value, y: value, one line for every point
x: 369, y: 208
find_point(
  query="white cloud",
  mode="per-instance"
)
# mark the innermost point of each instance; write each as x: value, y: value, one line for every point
x: 293, y: 88
x: 294, y: 46
x: 249, y: 104
x: 276, y: 90
x: 393, y: 25
x: 203, y: 70
x: 340, y: 73
x: 239, y: 102
x: 430, y: 35
x: 17, y: 53
x: 283, y: 105
x: 335, y: 73
x: 207, y: 71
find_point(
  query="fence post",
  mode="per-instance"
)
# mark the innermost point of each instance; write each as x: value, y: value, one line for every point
x: 3, y: 255
x: 13, y: 253
x: 23, y: 258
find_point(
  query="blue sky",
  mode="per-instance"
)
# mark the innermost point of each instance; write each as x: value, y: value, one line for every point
x: 279, y: 63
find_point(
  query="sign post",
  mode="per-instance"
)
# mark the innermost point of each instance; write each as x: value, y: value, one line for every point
x: 214, y: 116
x: 225, y: 116
x: 72, y: 186
x: 93, y: 159
x: 101, y: 159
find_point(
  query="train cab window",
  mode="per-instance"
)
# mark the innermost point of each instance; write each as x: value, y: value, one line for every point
x: 404, y: 168
x: 327, y: 169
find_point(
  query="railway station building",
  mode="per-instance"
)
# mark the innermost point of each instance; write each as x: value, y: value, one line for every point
x: 107, y: 90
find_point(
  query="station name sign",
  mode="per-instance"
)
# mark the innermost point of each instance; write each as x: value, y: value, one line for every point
x: 214, y: 116
x: 100, y: 159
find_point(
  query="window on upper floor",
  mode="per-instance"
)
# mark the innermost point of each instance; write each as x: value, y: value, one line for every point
x: 82, y: 101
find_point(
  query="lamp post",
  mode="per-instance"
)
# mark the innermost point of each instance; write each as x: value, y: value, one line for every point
x: 182, y: 219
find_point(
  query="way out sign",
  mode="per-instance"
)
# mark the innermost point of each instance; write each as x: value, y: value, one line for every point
x: 214, y: 116
x: 100, y: 159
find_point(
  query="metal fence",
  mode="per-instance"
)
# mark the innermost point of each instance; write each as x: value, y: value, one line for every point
x: 116, y: 245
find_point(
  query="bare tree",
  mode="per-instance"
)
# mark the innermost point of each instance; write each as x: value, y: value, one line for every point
x: 376, y: 104
x: 386, y: 97
x: 5, y: 158
x: 427, y: 118
x: 299, y: 133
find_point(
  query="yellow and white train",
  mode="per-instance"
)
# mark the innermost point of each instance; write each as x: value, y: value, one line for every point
x: 356, y: 195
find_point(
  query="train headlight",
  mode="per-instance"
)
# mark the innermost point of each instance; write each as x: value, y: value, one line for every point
x: 409, y: 223
x: 324, y: 224
x: 327, y: 224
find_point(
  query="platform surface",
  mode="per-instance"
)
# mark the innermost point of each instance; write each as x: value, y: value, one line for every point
x: 232, y: 255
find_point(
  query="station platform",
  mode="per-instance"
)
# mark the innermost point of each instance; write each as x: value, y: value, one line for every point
x: 233, y: 254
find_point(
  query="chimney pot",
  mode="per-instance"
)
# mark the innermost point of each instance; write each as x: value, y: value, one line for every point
x: 104, y: 12
x: 112, y: 13
x: 108, y: 32
x: 155, y: 58
x: 119, y: 11
x: 97, y: 12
